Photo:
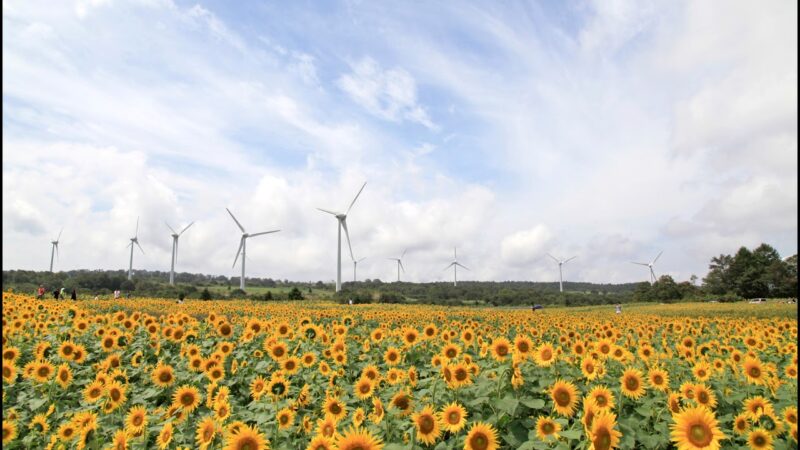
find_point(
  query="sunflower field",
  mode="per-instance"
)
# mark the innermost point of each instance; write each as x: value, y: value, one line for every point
x: 240, y: 375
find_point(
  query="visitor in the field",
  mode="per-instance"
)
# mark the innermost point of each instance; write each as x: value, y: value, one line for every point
x: 40, y: 292
x: 74, y: 295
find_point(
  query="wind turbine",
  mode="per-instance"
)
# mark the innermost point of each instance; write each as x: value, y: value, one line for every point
x: 650, y: 266
x: 399, y: 264
x: 54, y: 249
x: 342, y: 219
x: 175, y: 236
x: 455, y: 265
x: 560, y: 276
x: 355, y: 263
x: 134, y: 240
x: 243, y: 244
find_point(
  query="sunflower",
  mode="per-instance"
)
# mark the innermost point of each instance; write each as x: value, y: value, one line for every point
x: 163, y: 375
x: 10, y: 354
x: 410, y: 336
x: 460, y: 375
x: 377, y: 411
x: 704, y: 396
x: 358, y: 439
x: 66, y: 349
x: 427, y: 425
x: 285, y: 418
x: 327, y: 427
x: 291, y: 365
x: 43, y: 371
x: 402, y: 402
x: 589, y: 368
x: 67, y: 432
x: 659, y: 379
x: 790, y: 415
x: 602, y: 434
x: 258, y: 387
x: 116, y: 394
x: 451, y: 351
x: 758, y: 406
x: 335, y: 408
x: 278, y: 387
x: 9, y: 372
x: 320, y: 443
x: 696, y: 428
x: 753, y: 370
x: 701, y: 371
x: 741, y: 423
x: 39, y: 424
x: 523, y: 346
x: 93, y: 392
x: 392, y: 356
x: 246, y: 438
x: 759, y: 439
x: 602, y: 397
x: 501, y: 347
x: 136, y: 420
x: 187, y: 397
x: 277, y: 350
x: 363, y: 388
x: 64, y: 375
x: 205, y: 432
x: 481, y: 436
x: 564, y: 395
x: 545, y: 355
x: 9, y: 431
x: 632, y: 385
x: 547, y: 428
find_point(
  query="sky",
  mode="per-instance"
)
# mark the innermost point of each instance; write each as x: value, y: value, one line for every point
x: 607, y: 130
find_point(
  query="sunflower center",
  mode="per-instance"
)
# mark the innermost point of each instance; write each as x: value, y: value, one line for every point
x: 137, y: 420
x: 479, y: 441
x: 335, y: 409
x: 115, y: 394
x: 247, y: 443
x: 601, y: 400
x: 699, y: 435
x: 702, y: 397
x: 759, y: 441
x: 43, y: 371
x: 632, y: 383
x: 755, y: 372
x: 658, y: 379
x: 547, y: 354
x: 426, y: 424
x: 187, y: 399
x: 165, y: 377
x: 523, y: 347
x: 461, y: 374
x: 563, y: 398
x: 453, y: 418
x: 602, y: 440
x: 547, y: 428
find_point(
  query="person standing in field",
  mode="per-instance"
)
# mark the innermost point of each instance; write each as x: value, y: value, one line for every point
x: 618, y: 308
x: 74, y: 295
x: 116, y: 294
x: 63, y: 294
x: 55, y: 294
x: 40, y: 292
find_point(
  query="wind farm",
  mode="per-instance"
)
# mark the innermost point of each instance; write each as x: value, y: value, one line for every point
x: 580, y: 230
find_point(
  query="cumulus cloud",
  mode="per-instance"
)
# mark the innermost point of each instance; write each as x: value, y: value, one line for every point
x: 526, y: 246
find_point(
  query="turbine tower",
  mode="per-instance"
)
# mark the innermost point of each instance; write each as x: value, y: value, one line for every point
x: 650, y: 266
x: 455, y: 265
x: 134, y: 240
x: 342, y: 219
x: 54, y: 249
x: 175, y: 236
x: 560, y: 275
x: 243, y: 245
x: 399, y: 264
x: 355, y: 263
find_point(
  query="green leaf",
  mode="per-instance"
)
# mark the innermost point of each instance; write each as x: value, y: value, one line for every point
x: 35, y: 403
x: 572, y: 434
x: 508, y: 405
x: 533, y: 403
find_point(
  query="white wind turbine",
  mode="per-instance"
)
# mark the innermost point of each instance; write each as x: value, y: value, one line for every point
x: 560, y: 276
x: 243, y: 245
x: 175, y: 236
x: 134, y: 240
x: 650, y: 266
x: 54, y: 249
x: 355, y: 263
x: 399, y: 264
x: 342, y: 219
x: 455, y: 265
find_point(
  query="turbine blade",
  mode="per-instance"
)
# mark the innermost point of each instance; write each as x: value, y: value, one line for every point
x: 356, y: 198
x: 570, y: 259
x: 57, y: 250
x: 241, y: 244
x: 404, y: 253
x: 449, y: 266
x: 659, y: 255
x: 59, y: 235
x: 554, y: 258
x: 234, y: 219
x: 455, y: 254
x: 137, y: 227
x: 187, y: 227
x: 347, y: 234
x: 263, y: 232
x: 641, y: 264
x: 329, y: 212
x: 401, y: 265
x: 170, y: 228
x: 140, y: 247
x: 176, y: 251
x: 362, y: 259
x: 462, y: 266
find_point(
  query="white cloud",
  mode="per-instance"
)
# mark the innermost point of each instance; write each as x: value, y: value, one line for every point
x: 526, y: 246
x: 390, y: 94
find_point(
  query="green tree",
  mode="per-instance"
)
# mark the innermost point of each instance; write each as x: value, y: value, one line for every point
x: 205, y: 294
x: 295, y: 294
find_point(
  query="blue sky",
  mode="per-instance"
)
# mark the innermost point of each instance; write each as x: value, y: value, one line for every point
x: 609, y: 130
